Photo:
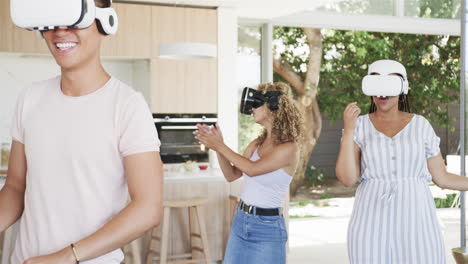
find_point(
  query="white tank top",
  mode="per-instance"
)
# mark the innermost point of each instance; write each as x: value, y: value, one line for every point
x: 267, y: 190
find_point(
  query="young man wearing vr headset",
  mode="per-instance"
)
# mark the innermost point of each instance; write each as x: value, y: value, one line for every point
x: 78, y: 141
x: 258, y: 233
x: 394, y: 155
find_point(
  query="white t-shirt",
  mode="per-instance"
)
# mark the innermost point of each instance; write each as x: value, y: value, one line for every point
x: 75, y: 146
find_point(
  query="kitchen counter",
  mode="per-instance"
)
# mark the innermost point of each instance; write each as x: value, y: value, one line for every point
x: 208, y: 175
x: 181, y: 176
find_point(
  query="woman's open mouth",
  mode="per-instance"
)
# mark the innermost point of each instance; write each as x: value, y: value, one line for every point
x: 382, y: 99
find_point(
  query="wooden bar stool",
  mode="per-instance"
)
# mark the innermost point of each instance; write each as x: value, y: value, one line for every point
x: 233, y: 201
x: 132, y: 251
x: 193, y: 205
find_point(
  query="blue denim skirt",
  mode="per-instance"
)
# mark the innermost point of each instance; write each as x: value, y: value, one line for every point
x: 256, y: 239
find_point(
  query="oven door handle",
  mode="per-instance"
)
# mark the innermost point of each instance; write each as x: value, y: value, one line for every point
x: 178, y: 127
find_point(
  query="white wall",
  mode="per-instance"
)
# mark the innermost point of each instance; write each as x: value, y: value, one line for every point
x: 227, y: 82
x: 19, y: 70
x: 248, y: 71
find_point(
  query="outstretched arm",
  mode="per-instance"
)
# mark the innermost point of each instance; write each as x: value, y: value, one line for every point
x: 443, y: 178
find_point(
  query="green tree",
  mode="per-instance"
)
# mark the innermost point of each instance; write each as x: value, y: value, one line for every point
x: 325, y: 69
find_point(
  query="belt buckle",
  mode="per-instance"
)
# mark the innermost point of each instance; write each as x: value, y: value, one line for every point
x: 247, y: 208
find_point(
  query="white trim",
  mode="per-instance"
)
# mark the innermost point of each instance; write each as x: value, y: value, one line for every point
x: 253, y: 21
x: 187, y: 50
x: 399, y: 8
x: 227, y: 90
x: 320, y: 19
x: 267, y: 53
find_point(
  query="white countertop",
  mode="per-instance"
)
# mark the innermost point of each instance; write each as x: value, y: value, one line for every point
x: 181, y: 176
x: 208, y: 175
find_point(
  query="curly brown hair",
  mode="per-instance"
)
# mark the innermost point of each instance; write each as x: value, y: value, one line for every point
x: 287, y: 120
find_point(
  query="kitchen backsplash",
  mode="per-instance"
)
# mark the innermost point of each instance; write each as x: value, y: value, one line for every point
x: 20, y: 70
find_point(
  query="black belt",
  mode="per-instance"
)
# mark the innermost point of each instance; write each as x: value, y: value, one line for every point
x: 251, y: 209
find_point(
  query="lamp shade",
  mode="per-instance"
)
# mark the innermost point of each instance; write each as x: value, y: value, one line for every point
x: 187, y: 50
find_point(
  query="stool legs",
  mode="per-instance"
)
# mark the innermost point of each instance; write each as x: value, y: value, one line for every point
x: 163, y: 239
x: 192, y: 226
x: 151, y: 254
x: 195, y: 215
x: 203, y: 234
x: 134, y: 253
x: 165, y: 236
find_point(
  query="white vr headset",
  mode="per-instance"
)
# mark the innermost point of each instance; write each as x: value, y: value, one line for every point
x: 53, y: 14
x: 381, y: 80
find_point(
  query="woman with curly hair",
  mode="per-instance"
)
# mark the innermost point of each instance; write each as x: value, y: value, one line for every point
x: 258, y: 233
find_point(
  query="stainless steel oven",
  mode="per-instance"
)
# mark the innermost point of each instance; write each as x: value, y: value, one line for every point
x: 178, y: 143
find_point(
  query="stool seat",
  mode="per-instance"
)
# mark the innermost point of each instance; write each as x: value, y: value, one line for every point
x: 193, y: 205
x: 180, y: 203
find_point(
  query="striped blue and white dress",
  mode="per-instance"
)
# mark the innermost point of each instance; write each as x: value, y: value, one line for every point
x: 394, y: 217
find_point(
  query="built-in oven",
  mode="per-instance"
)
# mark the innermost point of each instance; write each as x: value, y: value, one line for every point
x: 178, y: 143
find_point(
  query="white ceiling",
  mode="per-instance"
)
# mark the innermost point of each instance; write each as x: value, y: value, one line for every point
x: 305, y: 13
x: 251, y: 9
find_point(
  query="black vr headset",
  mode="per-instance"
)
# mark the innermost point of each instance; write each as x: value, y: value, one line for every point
x: 252, y: 98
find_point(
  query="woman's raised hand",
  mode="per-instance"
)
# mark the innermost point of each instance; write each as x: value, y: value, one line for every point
x: 209, y: 136
x: 350, y: 115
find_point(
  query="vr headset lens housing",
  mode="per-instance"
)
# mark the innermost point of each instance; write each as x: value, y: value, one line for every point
x: 53, y: 14
x: 251, y: 99
x: 50, y: 14
x: 382, y: 85
x: 385, y: 82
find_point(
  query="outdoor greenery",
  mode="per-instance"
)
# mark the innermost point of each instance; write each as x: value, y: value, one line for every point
x: 318, y: 203
x: 445, y: 203
x: 302, y: 216
x: 432, y: 63
x: 325, y: 68
x: 313, y: 175
x: 250, y: 130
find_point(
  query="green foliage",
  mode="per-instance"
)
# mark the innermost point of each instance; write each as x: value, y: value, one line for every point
x: 249, y: 40
x: 303, y: 203
x: 302, y: 216
x: 325, y: 196
x: 436, y: 8
x: 419, y: 8
x: 313, y: 175
x: 317, y: 203
x: 432, y: 63
x: 445, y: 203
x: 248, y: 131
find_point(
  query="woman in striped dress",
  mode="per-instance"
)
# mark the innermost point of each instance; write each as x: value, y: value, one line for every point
x: 394, y: 155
